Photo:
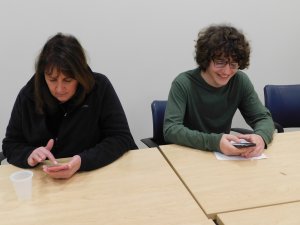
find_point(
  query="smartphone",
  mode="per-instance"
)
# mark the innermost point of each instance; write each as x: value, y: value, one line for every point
x: 57, y: 167
x: 243, y: 144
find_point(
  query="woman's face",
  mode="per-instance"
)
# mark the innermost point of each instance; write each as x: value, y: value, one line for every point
x: 61, y: 87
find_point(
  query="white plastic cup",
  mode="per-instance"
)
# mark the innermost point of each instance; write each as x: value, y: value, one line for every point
x: 22, y: 182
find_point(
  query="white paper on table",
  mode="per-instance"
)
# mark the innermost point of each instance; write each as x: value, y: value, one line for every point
x: 221, y: 156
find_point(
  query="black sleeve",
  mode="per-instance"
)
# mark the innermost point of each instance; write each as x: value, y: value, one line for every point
x: 117, y: 137
x: 14, y: 145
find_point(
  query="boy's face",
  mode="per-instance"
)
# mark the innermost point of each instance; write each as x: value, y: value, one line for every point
x: 220, y: 71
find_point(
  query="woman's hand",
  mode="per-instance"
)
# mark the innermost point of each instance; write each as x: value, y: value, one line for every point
x: 64, y: 171
x: 42, y: 153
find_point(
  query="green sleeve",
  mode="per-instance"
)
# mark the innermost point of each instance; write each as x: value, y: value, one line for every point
x: 174, y: 129
x: 255, y: 113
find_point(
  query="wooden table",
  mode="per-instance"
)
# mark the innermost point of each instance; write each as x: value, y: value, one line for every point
x: 224, y: 186
x: 283, y: 214
x: 139, y: 188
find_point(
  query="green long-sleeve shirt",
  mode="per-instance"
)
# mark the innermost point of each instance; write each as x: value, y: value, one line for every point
x: 198, y: 114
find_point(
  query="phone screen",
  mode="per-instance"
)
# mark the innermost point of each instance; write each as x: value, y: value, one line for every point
x: 243, y: 144
x: 57, y: 167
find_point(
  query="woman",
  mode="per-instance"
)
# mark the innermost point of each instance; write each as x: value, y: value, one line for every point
x: 66, y: 110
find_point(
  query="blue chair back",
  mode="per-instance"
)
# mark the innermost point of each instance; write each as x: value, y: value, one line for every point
x: 158, y: 108
x: 283, y: 101
x: 2, y: 157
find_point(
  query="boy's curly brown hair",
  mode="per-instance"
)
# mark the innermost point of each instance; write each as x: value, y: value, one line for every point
x: 218, y: 41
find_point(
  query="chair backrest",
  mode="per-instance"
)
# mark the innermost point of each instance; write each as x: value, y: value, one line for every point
x: 158, y: 108
x: 283, y: 101
x: 2, y: 157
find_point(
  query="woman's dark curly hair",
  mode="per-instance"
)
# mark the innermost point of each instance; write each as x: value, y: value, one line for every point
x: 222, y: 41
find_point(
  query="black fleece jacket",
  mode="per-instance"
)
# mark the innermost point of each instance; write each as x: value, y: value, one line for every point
x: 97, y: 130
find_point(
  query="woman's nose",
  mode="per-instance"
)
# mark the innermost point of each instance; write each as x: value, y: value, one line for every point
x: 59, y: 87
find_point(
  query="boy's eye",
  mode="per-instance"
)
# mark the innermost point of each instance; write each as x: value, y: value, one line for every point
x: 222, y: 63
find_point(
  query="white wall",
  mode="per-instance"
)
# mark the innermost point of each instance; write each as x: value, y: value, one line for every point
x: 142, y: 45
